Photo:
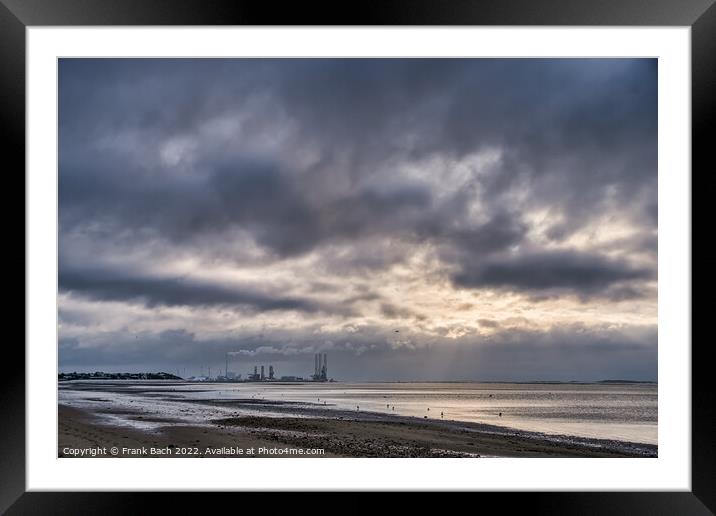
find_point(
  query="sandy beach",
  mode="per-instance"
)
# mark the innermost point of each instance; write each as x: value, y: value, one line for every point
x: 333, y: 433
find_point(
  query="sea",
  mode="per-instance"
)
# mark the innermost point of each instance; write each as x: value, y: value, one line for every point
x: 615, y: 411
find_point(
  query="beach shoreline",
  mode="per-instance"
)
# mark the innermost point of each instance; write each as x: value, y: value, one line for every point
x: 336, y: 433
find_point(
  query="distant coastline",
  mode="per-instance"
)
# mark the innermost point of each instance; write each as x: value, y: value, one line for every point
x: 100, y: 375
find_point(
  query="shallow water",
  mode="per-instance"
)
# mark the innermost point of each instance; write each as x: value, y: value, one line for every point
x: 625, y: 412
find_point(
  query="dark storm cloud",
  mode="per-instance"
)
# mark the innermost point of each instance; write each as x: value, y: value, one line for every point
x: 585, y: 274
x: 497, y: 234
x: 108, y: 285
x: 257, y: 196
x: 466, y: 247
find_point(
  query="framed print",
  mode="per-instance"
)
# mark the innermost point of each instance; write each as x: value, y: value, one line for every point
x: 421, y: 249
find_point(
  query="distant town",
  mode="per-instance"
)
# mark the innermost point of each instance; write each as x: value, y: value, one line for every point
x: 100, y: 375
x: 259, y: 374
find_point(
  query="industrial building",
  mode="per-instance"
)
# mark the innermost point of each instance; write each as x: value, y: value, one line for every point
x: 254, y: 377
x: 259, y: 375
x: 320, y: 373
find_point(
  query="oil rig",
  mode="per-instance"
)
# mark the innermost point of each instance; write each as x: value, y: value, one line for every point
x: 320, y: 373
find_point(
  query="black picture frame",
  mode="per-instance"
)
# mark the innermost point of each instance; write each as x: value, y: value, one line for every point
x: 17, y: 15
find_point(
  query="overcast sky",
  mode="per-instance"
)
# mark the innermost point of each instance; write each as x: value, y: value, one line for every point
x: 415, y: 219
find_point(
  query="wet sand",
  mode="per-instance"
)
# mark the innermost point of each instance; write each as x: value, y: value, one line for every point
x: 338, y: 434
x: 79, y: 429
